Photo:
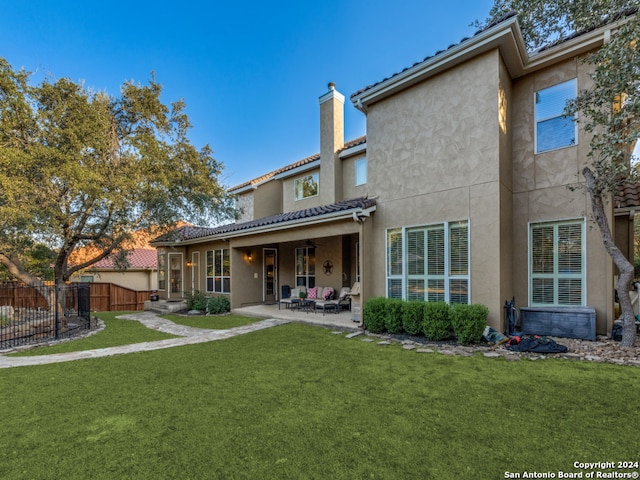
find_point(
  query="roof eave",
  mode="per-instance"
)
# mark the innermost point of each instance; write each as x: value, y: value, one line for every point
x: 359, y: 212
x: 297, y: 170
x: 507, y: 37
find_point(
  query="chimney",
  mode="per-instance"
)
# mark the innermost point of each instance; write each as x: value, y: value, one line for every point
x: 331, y: 141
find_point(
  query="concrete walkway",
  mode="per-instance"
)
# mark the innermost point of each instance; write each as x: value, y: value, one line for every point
x: 187, y: 336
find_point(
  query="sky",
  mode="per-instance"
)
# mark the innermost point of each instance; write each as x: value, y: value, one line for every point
x: 249, y: 72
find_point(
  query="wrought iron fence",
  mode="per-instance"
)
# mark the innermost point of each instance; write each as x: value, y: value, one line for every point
x: 38, y: 314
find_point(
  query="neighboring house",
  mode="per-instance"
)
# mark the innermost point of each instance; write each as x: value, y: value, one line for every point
x: 141, y: 274
x: 459, y: 192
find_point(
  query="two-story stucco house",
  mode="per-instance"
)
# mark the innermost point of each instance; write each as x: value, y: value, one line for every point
x: 458, y: 192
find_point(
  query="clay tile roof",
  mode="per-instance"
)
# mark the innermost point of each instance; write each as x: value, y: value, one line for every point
x: 270, y: 175
x: 354, y: 143
x: 191, y: 233
x: 139, y: 258
x: 492, y: 24
x: 627, y: 196
x: 299, y: 163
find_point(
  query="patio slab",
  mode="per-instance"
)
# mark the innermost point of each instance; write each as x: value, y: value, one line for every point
x: 340, y: 320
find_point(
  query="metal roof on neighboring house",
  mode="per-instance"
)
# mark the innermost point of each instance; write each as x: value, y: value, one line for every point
x: 189, y: 233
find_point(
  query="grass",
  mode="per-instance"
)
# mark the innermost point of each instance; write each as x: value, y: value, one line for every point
x: 296, y: 402
x: 117, y: 332
x: 214, y: 322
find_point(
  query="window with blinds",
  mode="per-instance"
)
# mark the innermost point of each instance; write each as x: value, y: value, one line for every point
x: 429, y: 263
x: 553, y: 128
x: 557, y: 263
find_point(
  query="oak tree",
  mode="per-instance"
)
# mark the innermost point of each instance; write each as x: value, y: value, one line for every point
x: 84, y: 168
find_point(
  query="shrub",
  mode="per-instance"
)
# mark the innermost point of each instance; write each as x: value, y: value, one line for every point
x: 196, y: 301
x: 469, y: 321
x: 217, y: 305
x: 393, y: 315
x: 412, y: 316
x: 436, y: 323
x: 373, y: 314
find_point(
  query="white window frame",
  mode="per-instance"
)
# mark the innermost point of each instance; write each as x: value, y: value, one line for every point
x: 212, y: 273
x: 361, y: 171
x: 315, y: 177
x: 556, y: 276
x: 447, y: 277
x: 559, y: 114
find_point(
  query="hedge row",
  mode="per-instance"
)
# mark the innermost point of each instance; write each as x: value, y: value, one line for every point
x: 212, y: 305
x: 436, y: 320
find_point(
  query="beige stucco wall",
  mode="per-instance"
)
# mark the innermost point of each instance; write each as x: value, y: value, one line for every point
x: 349, y: 188
x: 289, y: 204
x: 541, y: 193
x: 264, y: 201
x: 244, y: 206
x: 133, y: 279
x: 434, y: 155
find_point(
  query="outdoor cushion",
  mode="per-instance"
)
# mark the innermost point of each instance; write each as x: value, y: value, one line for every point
x: 312, y: 293
x: 327, y: 293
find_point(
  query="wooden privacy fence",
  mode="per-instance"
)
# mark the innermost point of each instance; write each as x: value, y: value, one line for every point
x: 108, y: 297
x: 105, y: 297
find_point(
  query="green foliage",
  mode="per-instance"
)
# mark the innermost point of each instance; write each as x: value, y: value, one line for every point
x: 469, y: 321
x: 412, y: 316
x: 218, y: 305
x: 196, y: 301
x: 437, y: 321
x: 82, y: 168
x: 373, y: 313
x: 393, y: 315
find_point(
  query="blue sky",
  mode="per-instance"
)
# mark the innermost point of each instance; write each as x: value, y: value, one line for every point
x: 250, y: 73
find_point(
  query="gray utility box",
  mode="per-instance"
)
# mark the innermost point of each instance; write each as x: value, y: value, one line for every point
x: 569, y: 322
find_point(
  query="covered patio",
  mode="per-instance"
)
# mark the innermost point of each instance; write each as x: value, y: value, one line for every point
x: 341, y: 320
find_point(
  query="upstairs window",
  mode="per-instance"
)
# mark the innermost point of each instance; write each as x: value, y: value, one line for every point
x: 361, y: 171
x: 306, y: 186
x: 553, y: 128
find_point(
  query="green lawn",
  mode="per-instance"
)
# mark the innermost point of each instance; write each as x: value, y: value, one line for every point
x: 296, y: 402
x: 117, y: 332
x: 215, y: 322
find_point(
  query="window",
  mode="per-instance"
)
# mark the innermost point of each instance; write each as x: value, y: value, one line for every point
x: 553, y: 128
x: 306, y: 186
x: 218, y: 271
x: 429, y: 263
x: 162, y: 271
x: 306, y: 267
x: 557, y: 263
x: 86, y: 278
x: 361, y: 171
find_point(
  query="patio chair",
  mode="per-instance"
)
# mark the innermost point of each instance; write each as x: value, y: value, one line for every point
x: 292, y: 299
x: 343, y: 300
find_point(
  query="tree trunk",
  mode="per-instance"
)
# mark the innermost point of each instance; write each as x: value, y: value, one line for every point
x: 624, y: 266
x: 15, y: 269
